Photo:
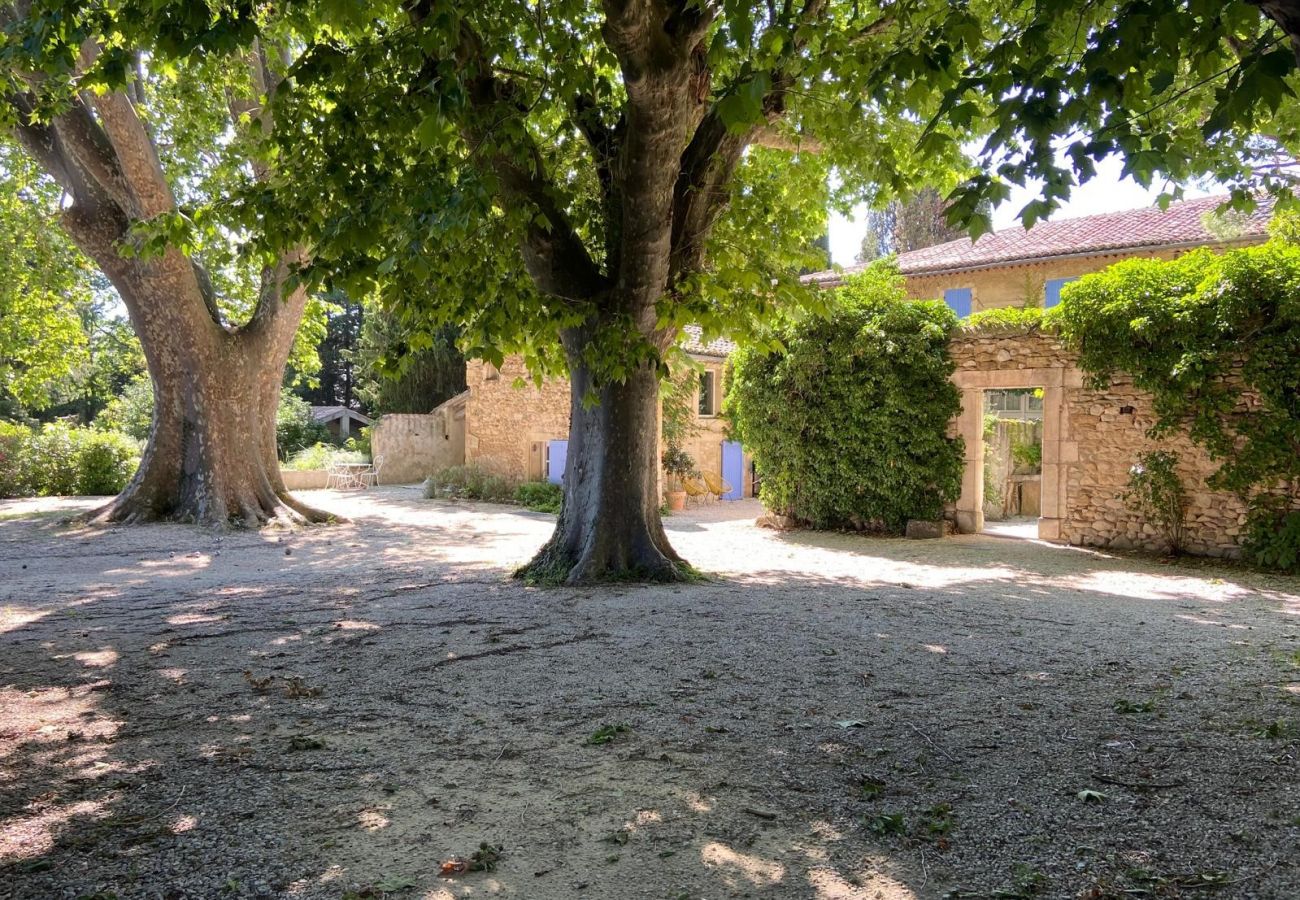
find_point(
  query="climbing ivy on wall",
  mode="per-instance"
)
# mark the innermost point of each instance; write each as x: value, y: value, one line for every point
x: 1216, y: 339
x: 848, y: 420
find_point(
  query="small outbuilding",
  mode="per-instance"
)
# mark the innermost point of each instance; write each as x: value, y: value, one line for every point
x: 340, y: 420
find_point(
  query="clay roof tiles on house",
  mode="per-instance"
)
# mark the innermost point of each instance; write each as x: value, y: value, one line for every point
x: 692, y: 342
x: 1182, y: 224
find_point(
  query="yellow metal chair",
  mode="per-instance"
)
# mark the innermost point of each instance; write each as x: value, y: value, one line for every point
x: 716, y: 484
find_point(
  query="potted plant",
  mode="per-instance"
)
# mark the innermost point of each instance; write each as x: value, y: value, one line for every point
x: 678, y: 465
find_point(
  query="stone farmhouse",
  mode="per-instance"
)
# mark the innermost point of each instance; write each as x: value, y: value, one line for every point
x: 1090, y: 438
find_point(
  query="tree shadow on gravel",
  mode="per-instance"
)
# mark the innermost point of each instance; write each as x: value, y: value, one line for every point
x: 858, y: 722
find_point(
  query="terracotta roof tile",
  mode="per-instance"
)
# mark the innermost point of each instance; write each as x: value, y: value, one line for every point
x: 1181, y: 223
x: 691, y: 342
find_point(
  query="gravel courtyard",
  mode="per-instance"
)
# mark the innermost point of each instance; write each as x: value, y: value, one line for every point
x: 335, y: 712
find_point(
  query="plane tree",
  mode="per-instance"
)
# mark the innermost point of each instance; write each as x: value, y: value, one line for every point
x: 149, y: 123
x: 575, y: 181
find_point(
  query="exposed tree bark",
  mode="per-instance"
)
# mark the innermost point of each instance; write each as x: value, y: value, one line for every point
x: 1286, y: 13
x: 609, y: 528
x: 211, y: 455
x: 664, y: 170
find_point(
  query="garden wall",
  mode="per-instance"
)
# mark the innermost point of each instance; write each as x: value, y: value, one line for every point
x: 1090, y: 441
x: 412, y: 446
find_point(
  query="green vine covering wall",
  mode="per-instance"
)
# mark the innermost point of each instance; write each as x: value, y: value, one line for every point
x: 1215, y: 338
x: 848, y: 422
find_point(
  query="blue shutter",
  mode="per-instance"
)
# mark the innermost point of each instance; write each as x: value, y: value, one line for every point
x: 1052, y: 292
x: 557, y: 452
x: 959, y: 300
x: 733, y: 469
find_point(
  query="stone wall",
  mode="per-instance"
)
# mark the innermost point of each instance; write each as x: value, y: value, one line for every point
x: 1017, y: 285
x: 1090, y: 441
x: 413, y: 446
x: 507, y: 425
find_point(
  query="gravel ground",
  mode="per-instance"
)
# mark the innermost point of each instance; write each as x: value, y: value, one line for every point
x: 333, y: 713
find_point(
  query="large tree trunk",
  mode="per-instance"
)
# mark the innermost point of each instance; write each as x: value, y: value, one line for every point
x: 211, y: 456
x: 609, y: 528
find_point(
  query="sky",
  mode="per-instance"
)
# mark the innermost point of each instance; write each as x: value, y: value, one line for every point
x: 1107, y: 192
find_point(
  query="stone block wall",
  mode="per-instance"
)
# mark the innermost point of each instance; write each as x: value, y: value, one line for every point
x: 1091, y: 438
x: 413, y: 446
x: 505, y: 423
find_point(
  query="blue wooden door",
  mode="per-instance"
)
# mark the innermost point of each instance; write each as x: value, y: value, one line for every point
x: 733, y: 469
x: 557, y: 452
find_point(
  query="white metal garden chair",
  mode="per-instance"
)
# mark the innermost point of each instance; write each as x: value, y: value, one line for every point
x: 370, y: 477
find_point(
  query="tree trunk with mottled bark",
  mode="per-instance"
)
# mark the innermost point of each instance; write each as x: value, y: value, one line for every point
x: 610, y: 527
x: 211, y: 456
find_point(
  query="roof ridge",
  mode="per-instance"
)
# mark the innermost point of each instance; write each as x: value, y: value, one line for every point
x: 1181, y: 223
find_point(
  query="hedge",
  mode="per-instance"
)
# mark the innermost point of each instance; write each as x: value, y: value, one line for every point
x: 848, y: 422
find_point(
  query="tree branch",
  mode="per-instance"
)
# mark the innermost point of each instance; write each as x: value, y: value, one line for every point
x: 554, y: 254
x: 136, y: 156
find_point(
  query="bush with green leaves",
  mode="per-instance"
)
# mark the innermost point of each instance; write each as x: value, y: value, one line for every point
x: 295, y: 429
x: 58, y: 459
x: 848, y: 420
x: 470, y: 482
x: 540, y: 496
x: 1215, y: 338
x: 130, y: 412
x: 1155, y: 491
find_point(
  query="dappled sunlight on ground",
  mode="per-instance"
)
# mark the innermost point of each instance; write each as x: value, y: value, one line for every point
x: 304, y: 713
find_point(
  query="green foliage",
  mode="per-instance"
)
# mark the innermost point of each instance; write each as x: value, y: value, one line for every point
x: 107, y: 462
x: 677, y: 396
x: 470, y: 482
x: 1216, y: 340
x: 131, y: 412
x: 1273, y: 536
x: 295, y: 429
x: 319, y: 456
x: 59, y: 459
x: 1028, y: 454
x: 540, y: 496
x: 44, y: 281
x: 1004, y: 319
x: 416, y: 195
x: 402, y: 369
x: 678, y: 464
x: 1155, y: 491
x: 1177, y: 89
x: 360, y: 442
x: 848, y: 423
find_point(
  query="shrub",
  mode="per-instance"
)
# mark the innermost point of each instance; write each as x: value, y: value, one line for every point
x: 1156, y: 493
x: 1273, y: 536
x: 59, y: 459
x: 108, y: 460
x: 541, y: 496
x: 469, y: 482
x: 295, y: 429
x: 319, y: 456
x: 1003, y: 318
x: 848, y: 423
x: 678, y: 464
x: 131, y: 412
